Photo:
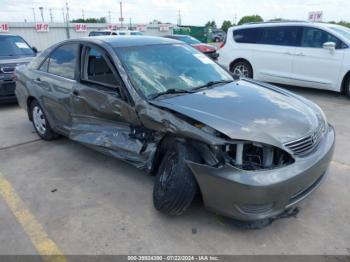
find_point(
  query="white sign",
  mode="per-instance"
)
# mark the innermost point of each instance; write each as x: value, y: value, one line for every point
x: 80, y: 28
x: 315, y: 16
x: 4, y: 28
x: 112, y: 27
x: 163, y: 27
x: 42, y: 27
x: 141, y: 28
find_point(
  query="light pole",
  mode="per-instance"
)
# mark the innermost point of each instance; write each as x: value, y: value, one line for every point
x: 42, y: 13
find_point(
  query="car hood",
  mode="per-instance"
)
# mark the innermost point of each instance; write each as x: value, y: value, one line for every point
x: 17, y: 60
x: 245, y: 110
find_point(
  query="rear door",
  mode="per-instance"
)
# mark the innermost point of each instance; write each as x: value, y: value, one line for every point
x: 273, y: 53
x: 102, y: 113
x: 315, y: 66
x: 55, y: 80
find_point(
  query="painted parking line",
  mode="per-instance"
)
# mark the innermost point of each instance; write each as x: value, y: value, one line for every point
x: 41, y: 241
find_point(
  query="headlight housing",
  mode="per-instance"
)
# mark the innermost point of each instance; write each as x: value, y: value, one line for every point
x: 256, y: 156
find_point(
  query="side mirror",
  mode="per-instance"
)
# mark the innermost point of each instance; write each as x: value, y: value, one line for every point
x: 35, y: 49
x: 330, y: 46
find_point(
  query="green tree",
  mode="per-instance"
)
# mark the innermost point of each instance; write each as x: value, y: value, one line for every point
x: 211, y: 24
x: 226, y: 25
x: 250, y: 19
x: 90, y: 20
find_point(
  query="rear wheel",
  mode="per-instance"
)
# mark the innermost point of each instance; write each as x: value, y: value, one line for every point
x: 175, y: 186
x: 242, y: 68
x: 40, y: 123
x: 347, y: 87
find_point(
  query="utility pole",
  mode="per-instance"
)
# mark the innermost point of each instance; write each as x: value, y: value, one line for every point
x: 42, y: 13
x: 179, y: 17
x: 64, y: 19
x: 109, y: 17
x: 130, y: 25
x: 82, y: 14
x: 121, y: 19
x: 67, y: 20
x: 34, y: 15
x: 67, y: 12
x: 51, y: 16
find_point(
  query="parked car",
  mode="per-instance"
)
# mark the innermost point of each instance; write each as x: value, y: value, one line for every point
x: 209, y: 50
x: 114, y: 32
x: 304, y: 54
x: 252, y: 150
x: 14, y: 51
x: 218, y: 35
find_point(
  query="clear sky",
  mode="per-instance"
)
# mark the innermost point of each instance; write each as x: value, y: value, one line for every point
x: 194, y: 12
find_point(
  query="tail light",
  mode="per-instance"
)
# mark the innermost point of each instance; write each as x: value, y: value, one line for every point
x: 223, y: 42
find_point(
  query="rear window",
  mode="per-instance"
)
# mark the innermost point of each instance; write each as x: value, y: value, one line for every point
x: 248, y: 36
x: 14, y: 46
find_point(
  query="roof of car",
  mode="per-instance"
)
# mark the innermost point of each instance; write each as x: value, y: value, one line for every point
x: 282, y: 23
x: 123, y: 41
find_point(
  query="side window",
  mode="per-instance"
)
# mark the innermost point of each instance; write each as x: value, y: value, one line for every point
x: 280, y: 35
x: 248, y: 36
x: 63, y: 61
x: 99, y: 70
x: 315, y: 38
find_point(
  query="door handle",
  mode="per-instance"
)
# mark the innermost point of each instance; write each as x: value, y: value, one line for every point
x: 287, y: 53
x: 300, y: 54
x: 75, y: 93
x: 37, y: 80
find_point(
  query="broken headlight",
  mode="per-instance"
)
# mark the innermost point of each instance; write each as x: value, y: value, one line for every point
x: 255, y: 156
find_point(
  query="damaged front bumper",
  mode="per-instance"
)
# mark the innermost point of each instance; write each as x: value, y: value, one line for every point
x: 256, y: 195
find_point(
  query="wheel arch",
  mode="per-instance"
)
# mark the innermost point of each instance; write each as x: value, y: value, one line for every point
x: 30, y: 99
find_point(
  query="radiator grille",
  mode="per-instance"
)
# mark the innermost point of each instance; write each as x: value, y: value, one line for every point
x: 305, y: 145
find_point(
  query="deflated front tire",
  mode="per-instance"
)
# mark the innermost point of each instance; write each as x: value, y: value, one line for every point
x: 175, y: 186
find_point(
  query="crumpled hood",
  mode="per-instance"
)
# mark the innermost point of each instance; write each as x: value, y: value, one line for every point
x: 248, y: 111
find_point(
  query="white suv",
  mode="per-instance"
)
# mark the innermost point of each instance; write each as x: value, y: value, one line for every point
x: 295, y: 53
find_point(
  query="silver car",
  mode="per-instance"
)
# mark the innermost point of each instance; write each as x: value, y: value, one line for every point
x: 251, y: 150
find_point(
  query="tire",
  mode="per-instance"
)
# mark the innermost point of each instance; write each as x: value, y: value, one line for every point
x: 217, y: 40
x: 40, y: 122
x: 242, y: 68
x: 175, y: 186
x: 347, y: 87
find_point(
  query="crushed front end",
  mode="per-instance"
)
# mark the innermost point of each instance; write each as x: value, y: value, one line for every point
x: 251, y: 181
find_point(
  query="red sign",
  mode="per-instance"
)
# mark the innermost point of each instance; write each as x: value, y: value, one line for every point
x: 42, y: 27
x: 4, y: 28
x: 112, y: 27
x: 80, y: 28
x: 141, y: 28
x: 315, y: 16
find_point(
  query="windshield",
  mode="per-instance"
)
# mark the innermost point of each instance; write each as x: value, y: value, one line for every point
x: 343, y: 31
x: 156, y: 69
x: 14, y: 46
x: 100, y: 33
x: 189, y: 40
x: 135, y: 33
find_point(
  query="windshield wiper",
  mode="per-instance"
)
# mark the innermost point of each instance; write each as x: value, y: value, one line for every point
x: 212, y: 83
x: 170, y: 91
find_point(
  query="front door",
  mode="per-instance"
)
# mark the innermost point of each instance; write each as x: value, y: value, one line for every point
x: 102, y: 115
x: 315, y: 66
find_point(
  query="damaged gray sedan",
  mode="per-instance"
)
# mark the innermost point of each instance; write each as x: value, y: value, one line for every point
x: 251, y: 150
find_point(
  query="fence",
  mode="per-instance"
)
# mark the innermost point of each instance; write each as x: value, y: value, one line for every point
x: 43, y: 35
